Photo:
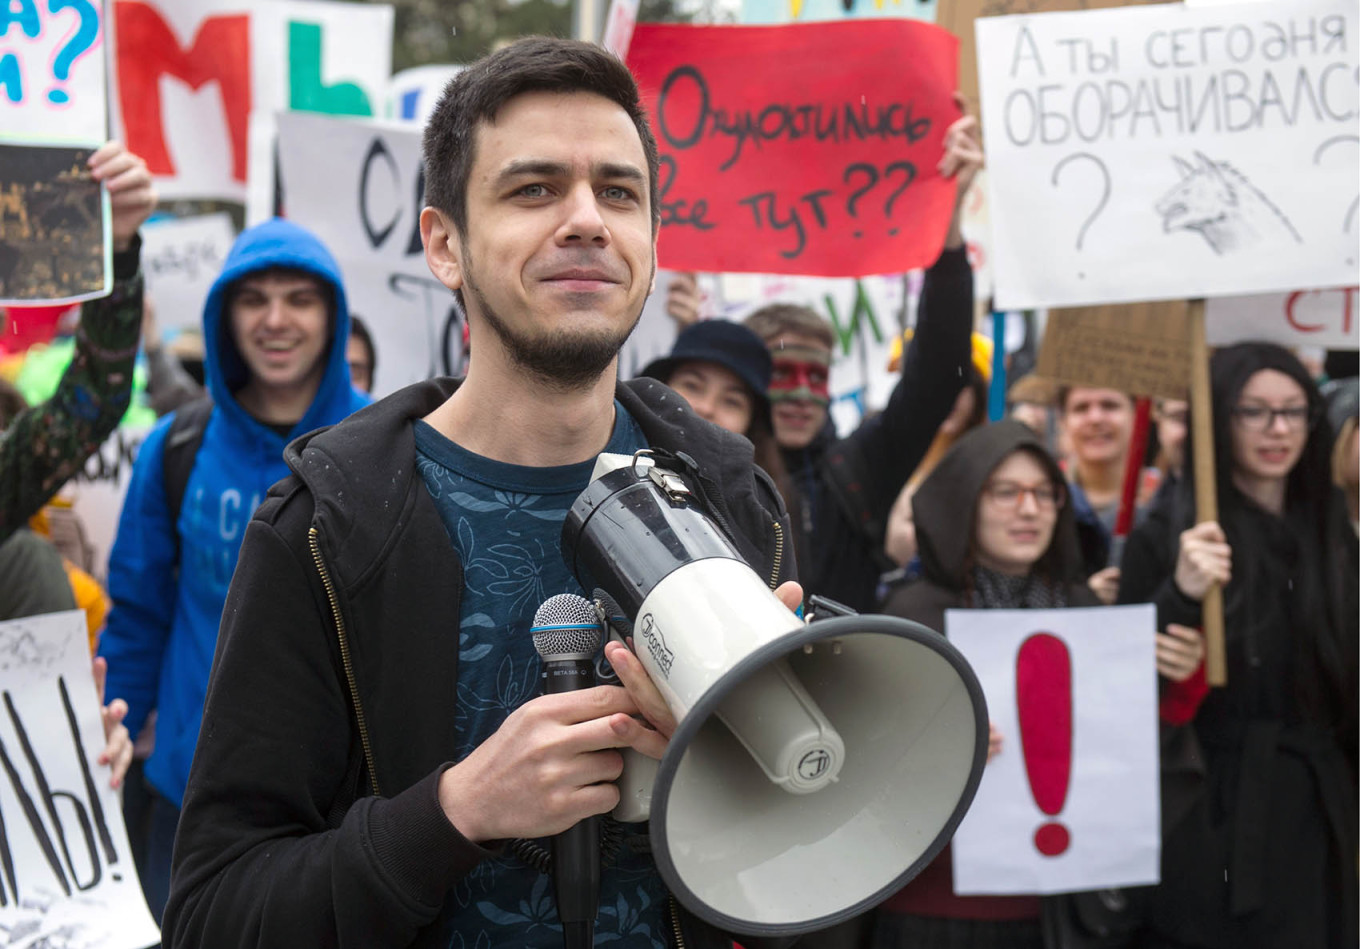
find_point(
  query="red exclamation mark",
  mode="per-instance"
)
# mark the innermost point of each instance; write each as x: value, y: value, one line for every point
x: 1043, y: 697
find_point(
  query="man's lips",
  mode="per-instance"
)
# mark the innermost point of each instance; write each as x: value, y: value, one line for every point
x: 581, y: 278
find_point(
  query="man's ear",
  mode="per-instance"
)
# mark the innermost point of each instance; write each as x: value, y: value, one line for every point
x: 443, y: 250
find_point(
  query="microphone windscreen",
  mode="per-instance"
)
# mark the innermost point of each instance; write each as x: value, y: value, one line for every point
x: 566, y: 627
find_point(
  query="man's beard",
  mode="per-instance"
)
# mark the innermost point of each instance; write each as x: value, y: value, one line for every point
x: 559, y: 361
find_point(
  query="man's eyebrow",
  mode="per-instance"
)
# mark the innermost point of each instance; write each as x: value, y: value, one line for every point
x: 530, y: 167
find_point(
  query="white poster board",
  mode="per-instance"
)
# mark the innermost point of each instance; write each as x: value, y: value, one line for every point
x: 1109, y: 805
x: 413, y: 93
x: 181, y: 258
x: 52, y: 69
x: 68, y: 876
x: 1162, y: 152
x: 1322, y: 318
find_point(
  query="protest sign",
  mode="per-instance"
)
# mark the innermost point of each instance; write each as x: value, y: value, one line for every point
x: 1142, y: 349
x: 1162, y: 152
x: 793, y: 11
x: 69, y: 878
x: 199, y: 82
x: 52, y: 72
x: 185, y: 92
x: 770, y: 166
x: 1322, y: 318
x: 180, y: 260
x: 1072, y: 801
x: 96, y: 492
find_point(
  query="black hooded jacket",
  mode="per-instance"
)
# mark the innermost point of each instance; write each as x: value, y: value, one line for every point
x: 945, y: 509
x: 846, y: 488
x: 311, y: 816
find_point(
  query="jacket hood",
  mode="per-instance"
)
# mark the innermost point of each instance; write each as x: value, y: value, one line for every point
x: 945, y: 506
x: 277, y: 243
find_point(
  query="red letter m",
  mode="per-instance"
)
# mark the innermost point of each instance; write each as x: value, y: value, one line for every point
x: 148, y: 49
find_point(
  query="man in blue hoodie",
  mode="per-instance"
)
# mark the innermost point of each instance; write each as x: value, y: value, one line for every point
x: 275, y: 327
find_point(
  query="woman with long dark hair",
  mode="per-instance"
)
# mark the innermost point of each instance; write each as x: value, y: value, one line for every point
x: 1265, y: 852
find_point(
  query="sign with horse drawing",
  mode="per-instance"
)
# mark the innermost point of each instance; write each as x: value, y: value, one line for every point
x: 1163, y: 152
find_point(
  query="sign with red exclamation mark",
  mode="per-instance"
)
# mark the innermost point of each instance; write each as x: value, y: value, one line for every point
x: 1071, y: 801
x: 1043, y: 699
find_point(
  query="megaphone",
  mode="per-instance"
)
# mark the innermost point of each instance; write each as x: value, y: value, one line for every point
x: 815, y: 767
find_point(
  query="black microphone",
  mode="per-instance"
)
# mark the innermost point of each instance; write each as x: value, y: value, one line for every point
x: 567, y: 635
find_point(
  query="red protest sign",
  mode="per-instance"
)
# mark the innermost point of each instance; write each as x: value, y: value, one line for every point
x: 801, y: 149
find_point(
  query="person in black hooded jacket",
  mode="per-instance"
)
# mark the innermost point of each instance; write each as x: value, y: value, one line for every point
x: 846, y: 487
x: 994, y: 531
x: 1264, y: 855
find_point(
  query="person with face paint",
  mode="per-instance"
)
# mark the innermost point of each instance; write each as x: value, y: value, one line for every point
x: 845, y: 488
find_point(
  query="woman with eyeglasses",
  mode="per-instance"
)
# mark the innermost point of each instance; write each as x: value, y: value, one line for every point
x: 1260, y: 851
x: 994, y: 531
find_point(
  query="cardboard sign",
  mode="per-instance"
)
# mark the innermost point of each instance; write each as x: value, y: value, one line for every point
x: 774, y: 167
x: 1162, y: 152
x: 1322, y: 318
x: 1072, y: 801
x: 1141, y: 349
x: 959, y: 16
x: 69, y: 879
x: 52, y: 72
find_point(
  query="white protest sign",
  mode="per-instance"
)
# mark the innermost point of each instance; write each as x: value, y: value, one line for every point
x: 317, y: 56
x: 1321, y: 318
x: 98, y: 489
x: 68, y: 876
x: 618, y: 26
x: 1072, y: 800
x: 864, y: 315
x: 359, y: 186
x: 180, y: 260
x: 52, y: 72
x: 1160, y: 152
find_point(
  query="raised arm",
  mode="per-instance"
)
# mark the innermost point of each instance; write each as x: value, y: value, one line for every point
x: 48, y: 443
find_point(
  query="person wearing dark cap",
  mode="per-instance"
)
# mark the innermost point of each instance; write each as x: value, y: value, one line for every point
x: 723, y: 370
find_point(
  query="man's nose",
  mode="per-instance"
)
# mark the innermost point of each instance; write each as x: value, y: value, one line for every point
x: 583, y: 221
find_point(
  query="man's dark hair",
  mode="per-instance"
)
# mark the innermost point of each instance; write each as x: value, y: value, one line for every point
x: 359, y: 330
x: 477, y: 94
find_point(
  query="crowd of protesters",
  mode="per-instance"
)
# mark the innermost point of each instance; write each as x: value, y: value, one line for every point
x: 307, y: 633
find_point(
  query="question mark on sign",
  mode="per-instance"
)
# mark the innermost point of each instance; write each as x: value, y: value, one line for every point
x: 1347, y: 222
x: 908, y: 176
x: 871, y: 174
x: 76, y: 45
x: 1104, y: 195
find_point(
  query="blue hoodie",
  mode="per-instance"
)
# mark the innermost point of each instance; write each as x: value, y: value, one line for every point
x: 162, y: 631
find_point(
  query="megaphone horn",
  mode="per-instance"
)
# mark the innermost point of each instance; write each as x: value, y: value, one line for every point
x: 815, y: 767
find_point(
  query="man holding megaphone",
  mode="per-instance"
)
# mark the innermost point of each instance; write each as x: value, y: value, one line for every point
x: 373, y: 736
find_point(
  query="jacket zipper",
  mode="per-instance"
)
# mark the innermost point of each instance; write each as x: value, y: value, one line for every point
x: 778, y: 554
x: 675, y: 922
x: 313, y: 541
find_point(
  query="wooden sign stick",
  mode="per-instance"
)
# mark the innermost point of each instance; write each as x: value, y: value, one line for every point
x: 1206, y: 487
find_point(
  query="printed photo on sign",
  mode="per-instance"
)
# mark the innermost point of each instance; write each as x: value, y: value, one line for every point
x: 1072, y: 801
x: 1160, y: 152
x: 68, y: 876
x: 53, y: 226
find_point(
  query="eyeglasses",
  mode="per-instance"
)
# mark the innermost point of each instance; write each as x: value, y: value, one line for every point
x: 1261, y: 418
x: 1010, y: 495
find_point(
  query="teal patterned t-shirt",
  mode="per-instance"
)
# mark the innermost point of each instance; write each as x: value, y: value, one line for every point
x: 505, y: 522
